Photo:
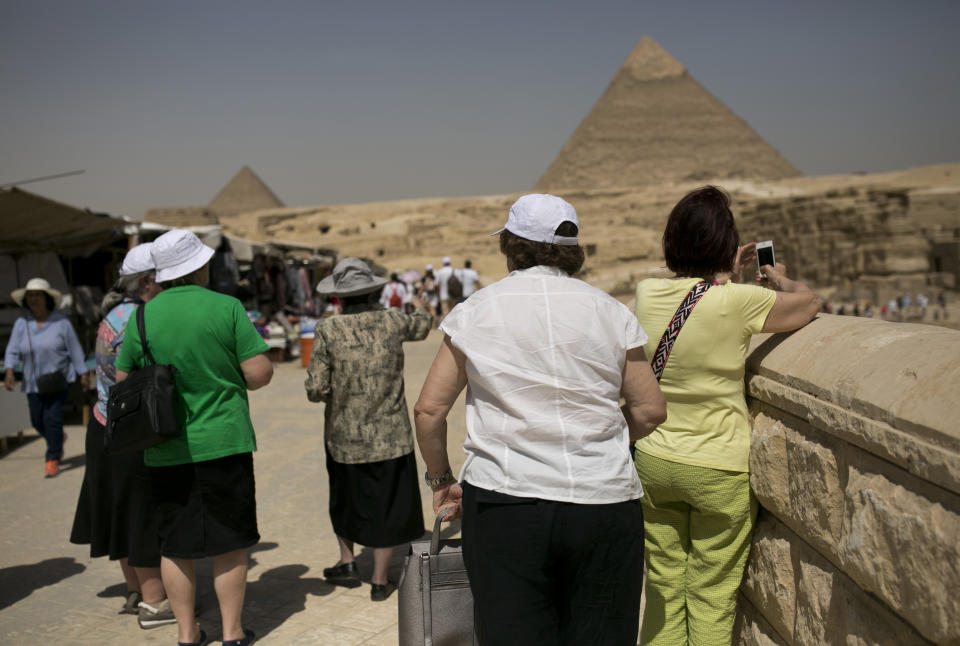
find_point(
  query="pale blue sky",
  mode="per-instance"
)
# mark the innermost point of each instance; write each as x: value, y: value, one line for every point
x: 361, y: 100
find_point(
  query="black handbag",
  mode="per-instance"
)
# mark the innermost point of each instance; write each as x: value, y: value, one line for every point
x: 52, y: 382
x: 142, y: 409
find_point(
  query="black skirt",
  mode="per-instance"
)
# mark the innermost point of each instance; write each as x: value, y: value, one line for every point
x: 376, y: 504
x: 115, y: 515
x: 206, y: 508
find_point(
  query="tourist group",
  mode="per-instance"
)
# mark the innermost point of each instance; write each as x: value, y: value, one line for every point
x: 601, y: 442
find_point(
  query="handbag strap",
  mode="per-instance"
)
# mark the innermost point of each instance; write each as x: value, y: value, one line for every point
x: 435, y: 537
x: 142, y: 329
x: 33, y: 355
x: 659, y: 361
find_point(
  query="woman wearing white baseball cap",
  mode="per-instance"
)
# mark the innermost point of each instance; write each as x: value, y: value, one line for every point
x: 114, y: 515
x: 550, y: 499
x: 46, y: 344
x: 202, y: 481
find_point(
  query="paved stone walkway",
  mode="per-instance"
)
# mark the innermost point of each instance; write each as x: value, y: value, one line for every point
x: 52, y: 592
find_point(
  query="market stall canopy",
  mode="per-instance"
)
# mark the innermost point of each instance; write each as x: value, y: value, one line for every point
x: 31, y: 223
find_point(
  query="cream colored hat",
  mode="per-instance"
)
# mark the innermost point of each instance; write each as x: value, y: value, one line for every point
x: 37, y: 285
x: 351, y: 277
x: 177, y: 253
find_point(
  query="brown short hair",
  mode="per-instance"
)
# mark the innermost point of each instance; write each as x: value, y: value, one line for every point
x: 701, y: 238
x: 523, y: 254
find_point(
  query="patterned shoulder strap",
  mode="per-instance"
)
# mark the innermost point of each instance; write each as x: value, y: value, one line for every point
x: 660, y: 357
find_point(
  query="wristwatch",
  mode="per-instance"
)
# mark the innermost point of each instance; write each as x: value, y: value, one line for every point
x: 442, y: 479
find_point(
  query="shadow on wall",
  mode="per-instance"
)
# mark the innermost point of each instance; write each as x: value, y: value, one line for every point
x: 20, y: 581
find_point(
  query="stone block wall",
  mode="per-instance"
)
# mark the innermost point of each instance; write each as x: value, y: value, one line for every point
x: 855, y: 460
x: 865, y: 241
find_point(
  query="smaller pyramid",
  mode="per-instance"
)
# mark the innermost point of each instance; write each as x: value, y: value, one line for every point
x: 655, y: 124
x: 245, y: 192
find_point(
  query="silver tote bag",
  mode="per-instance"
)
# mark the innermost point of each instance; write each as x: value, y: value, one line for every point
x: 435, y: 602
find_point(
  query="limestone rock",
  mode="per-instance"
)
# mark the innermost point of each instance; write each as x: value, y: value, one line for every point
x: 902, y: 545
x: 751, y: 629
x: 769, y: 582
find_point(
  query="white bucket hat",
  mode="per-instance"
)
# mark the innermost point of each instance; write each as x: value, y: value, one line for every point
x: 177, y: 253
x: 138, y: 260
x: 351, y: 277
x: 535, y: 217
x: 37, y: 285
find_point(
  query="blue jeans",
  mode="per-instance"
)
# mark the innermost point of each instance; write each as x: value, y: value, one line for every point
x: 46, y: 415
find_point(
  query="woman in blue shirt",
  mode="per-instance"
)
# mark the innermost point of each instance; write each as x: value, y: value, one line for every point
x: 44, y: 341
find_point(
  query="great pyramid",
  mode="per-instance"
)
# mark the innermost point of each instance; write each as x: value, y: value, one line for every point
x: 655, y: 124
x: 245, y: 192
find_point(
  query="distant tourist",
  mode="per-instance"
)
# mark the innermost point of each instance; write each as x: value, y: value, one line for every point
x: 356, y: 370
x: 470, y: 280
x: 551, y: 516
x: 444, y: 277
x: 428, y: 292
x: 698, y: 507
x: 44, y: 341
x: 394, y: 293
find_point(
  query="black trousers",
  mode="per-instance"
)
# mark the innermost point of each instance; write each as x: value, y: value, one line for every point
x: 546, y: 572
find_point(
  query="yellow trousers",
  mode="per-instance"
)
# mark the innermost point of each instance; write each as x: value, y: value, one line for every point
x: 698, y: 524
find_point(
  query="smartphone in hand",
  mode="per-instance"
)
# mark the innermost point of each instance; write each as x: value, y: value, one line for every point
x: 765, y: 255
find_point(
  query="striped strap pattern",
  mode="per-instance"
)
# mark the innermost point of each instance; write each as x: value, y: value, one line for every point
x: 660, y: 357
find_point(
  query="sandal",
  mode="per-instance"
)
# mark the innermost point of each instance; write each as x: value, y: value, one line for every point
x: 248, y: 638
x: 203, y: 640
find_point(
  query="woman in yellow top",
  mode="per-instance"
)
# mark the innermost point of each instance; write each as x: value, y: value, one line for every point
x: 698, y: 507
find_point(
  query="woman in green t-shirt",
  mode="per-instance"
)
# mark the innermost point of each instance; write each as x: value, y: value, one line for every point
x: 202, y: 481
x: 698, y: 508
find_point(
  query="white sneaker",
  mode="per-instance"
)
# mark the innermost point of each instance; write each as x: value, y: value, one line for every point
x: 151, y: 617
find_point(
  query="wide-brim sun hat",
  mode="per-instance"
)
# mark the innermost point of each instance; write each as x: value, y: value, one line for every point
x: 177, y: 253
x: 536, y: 216
x: 351, y: 277
x: 37, y: 285
x: 138, y: 260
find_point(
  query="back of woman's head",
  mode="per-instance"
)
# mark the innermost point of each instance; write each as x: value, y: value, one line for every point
x: 523, y: 254
x: 701, y: 238
x: 126, y: 287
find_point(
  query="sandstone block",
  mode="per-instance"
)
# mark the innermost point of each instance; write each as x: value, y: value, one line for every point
x: 751, y: 629
x: 769, y: 468
x: 769, y: 583
x: 795, y: 473
x: 833, y: 611
x: 900, y: 543
x: 815, y: 492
